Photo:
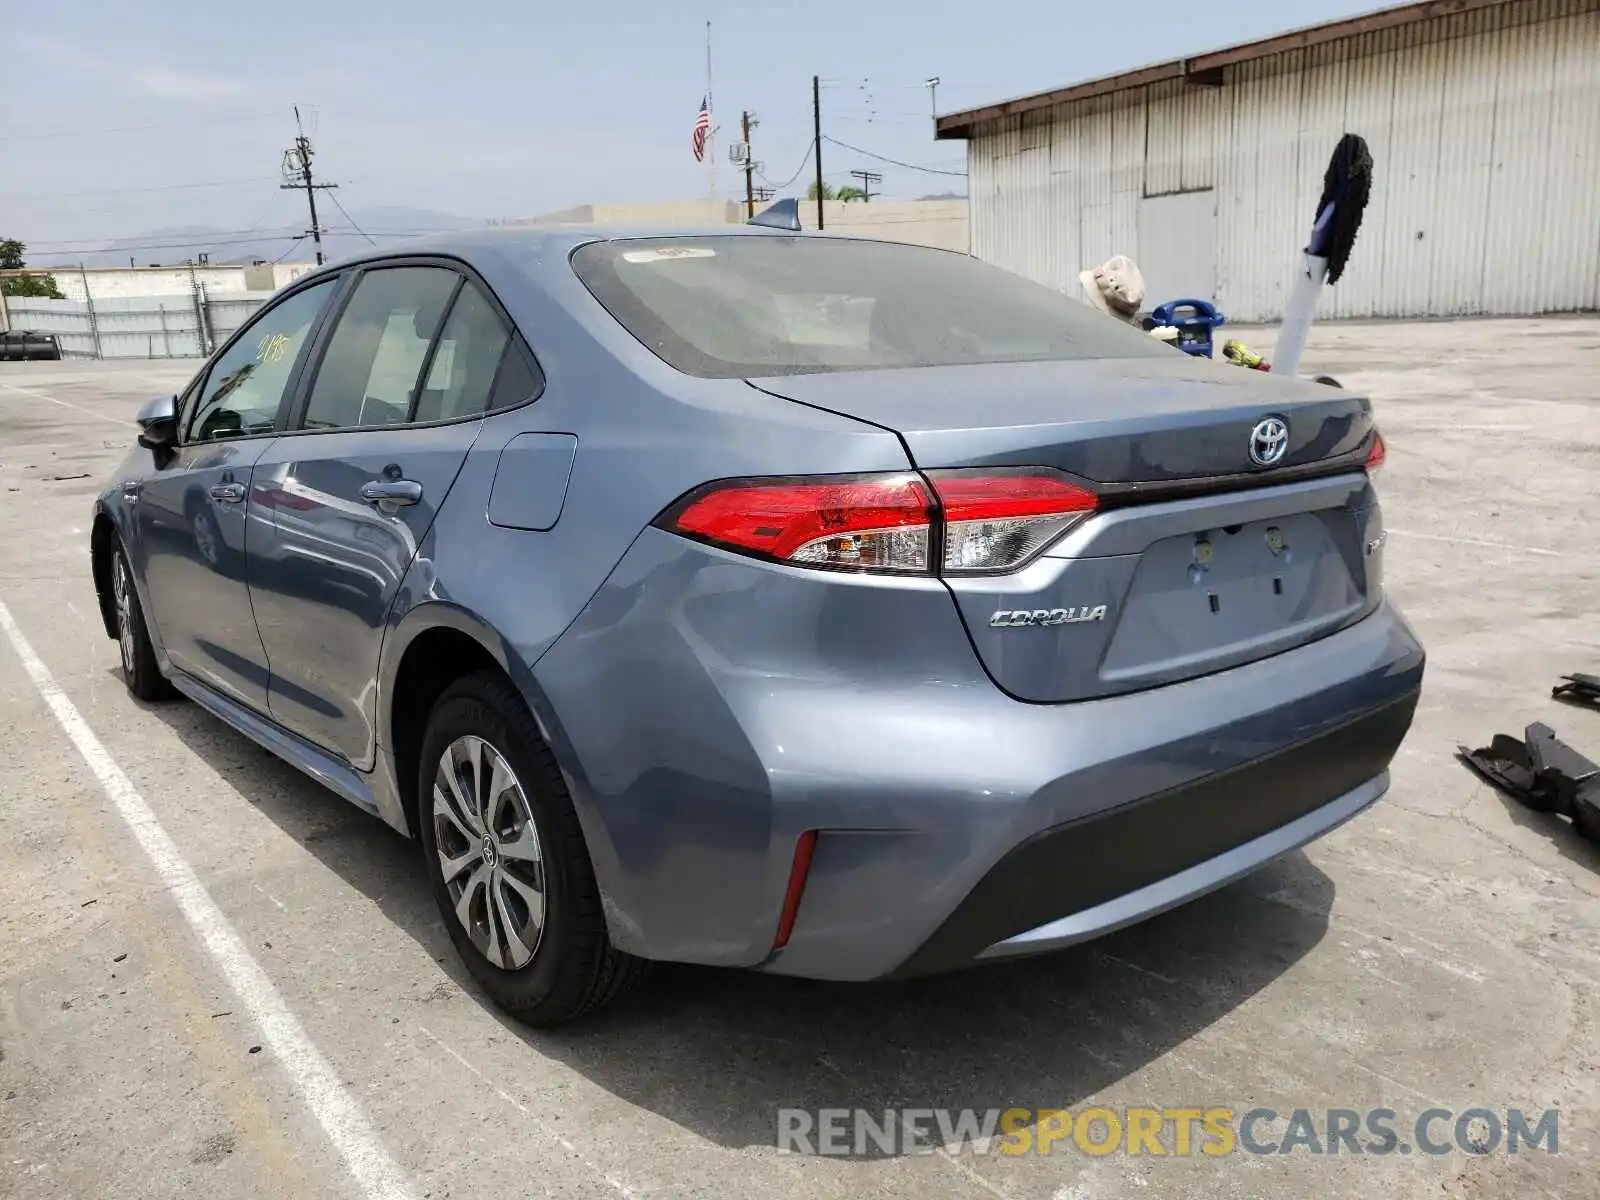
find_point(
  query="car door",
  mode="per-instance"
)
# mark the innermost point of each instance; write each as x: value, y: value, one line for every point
x: 193, y: 514
x: 405, y: 376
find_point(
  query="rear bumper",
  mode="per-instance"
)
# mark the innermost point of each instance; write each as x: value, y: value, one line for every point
x: 709, y: 710
x: 1087, y: 877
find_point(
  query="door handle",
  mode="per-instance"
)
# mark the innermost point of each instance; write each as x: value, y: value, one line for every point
x: 228, y: 493
x: 390, y: 494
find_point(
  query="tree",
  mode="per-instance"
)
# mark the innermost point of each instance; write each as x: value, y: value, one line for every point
x: 28, y: 283
x: 829, y: 192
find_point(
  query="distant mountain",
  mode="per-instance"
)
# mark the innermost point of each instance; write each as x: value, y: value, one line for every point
x: 173, y: 245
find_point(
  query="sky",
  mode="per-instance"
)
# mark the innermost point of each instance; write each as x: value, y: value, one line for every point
x: 117, y: 118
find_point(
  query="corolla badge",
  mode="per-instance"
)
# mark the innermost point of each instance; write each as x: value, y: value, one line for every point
x: 1269, y: 440
x: 1013, y: 618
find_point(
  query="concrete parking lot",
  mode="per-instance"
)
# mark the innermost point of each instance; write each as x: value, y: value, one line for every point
x: 1443, y: 950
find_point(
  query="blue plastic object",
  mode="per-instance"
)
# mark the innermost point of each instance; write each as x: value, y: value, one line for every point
x: 1194, y: 321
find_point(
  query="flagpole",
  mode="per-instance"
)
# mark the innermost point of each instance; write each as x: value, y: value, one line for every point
x: 711, y: 127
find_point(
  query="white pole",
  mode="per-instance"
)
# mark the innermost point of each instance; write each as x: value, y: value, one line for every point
x: 1297, y: 316
x: 711, y: 127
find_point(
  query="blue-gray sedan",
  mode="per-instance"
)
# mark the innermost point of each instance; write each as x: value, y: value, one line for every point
x: 828, y: 607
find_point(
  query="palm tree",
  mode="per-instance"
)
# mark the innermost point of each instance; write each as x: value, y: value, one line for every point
x: 846, y: 193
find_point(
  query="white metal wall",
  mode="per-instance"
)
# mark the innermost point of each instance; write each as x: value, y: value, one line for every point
x: 139, y: 326
x: 1484, y: 128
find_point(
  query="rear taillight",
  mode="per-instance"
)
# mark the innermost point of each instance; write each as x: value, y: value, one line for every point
x: 855, y: 523
x: 996, y: 520
x: 1379, y: 454
x: 986, y: 520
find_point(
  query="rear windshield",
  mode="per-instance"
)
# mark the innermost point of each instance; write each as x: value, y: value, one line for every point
x: 754, y: 305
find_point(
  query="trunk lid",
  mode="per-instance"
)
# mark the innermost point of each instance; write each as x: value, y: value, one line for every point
x: 1201, y: 559
x: 1115, y: 421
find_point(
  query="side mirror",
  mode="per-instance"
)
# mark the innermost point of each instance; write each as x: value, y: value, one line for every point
x: 158, y: 424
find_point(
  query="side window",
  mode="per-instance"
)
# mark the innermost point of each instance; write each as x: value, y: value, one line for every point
x: 462, y: 373
x: 520, y: 378
x: 369, y: 373
x: 241, y: 395
x: 189, y: 398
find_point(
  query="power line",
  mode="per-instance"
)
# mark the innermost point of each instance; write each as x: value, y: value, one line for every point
x: 351, y: 219
x: 894, y: 161
x: 290, y: 250
x: 863, y: 83
x: 55, y: 252
x: 879, y: 118
x: 164, y: 187
x: 260, y: 221
x: 70, y: 133
x: 778, y: 187
x: 226, y: 237
x: 208, y: 235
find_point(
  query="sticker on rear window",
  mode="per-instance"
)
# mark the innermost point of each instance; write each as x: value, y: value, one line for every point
x: 667, y: 253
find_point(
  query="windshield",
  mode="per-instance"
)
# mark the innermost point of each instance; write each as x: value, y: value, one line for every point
x: 754, y: 305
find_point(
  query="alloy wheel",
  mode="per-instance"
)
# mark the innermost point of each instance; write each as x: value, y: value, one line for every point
x: 122, y: 596
x: 489, y: 852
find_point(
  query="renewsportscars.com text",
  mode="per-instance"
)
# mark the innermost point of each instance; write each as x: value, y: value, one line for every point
x: 1212, y: 1132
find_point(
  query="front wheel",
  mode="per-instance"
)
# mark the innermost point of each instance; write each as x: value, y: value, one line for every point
x: 507, y: 859
x: 139, y: 669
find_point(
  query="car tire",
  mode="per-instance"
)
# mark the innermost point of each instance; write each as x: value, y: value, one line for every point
x: 139, y: 669
x: 504, y: 889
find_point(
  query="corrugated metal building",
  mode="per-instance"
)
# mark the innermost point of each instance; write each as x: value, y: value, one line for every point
x: 1484, y: 121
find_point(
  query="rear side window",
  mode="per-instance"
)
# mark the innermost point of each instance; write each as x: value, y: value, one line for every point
x: 241, y: 394
x: 462, y: 373
x: 374, y: 360
x: 758, y: 304
x: 519, y: 380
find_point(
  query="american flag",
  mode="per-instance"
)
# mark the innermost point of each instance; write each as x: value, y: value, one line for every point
x: 702, y: 125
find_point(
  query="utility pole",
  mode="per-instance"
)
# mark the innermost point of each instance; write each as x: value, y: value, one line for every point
x: 868, y: 178
x: 711, y: 127
x: 297, y: 175
x: 816, y: 132
x: 747, y: 123
x: 932, y: 84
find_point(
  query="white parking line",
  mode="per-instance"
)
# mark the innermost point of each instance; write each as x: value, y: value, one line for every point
x: 622, y: 1189
x: 376, y: 1173
x: 88, y: 412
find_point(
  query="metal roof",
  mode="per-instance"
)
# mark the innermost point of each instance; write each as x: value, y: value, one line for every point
x: 1205, y: 70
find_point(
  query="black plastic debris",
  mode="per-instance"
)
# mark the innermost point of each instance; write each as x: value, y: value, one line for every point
x: 1544, y: 773
x: 1585, y: 689
x: 1346, y: 188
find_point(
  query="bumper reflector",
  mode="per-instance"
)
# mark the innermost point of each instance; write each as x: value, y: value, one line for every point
x: 803, y: 851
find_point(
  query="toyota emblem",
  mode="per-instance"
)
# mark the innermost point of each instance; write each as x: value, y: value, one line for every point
x: 1269, y: 442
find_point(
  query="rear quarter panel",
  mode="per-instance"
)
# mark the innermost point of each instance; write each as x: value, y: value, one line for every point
x: 644, y: 436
